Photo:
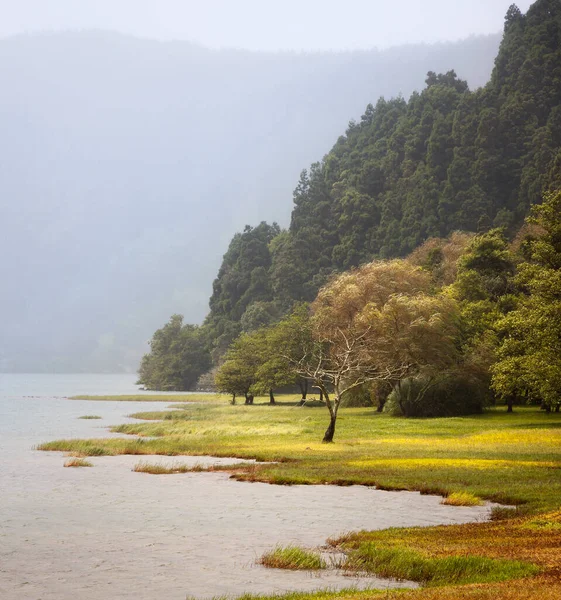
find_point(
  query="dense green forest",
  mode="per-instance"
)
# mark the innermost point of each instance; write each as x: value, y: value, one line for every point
x: 447, y: 160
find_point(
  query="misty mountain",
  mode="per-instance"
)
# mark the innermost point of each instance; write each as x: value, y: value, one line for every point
x: 126, y: 165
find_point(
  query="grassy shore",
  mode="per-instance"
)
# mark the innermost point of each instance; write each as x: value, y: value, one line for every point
x: 212, y: 398
x: 509, y: 458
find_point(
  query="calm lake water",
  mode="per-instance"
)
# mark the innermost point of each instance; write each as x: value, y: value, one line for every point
x: 108, y: 533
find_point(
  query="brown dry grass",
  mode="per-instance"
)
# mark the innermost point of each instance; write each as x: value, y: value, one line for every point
x: 78, y: 462
x: 160, y: 469
x: 537, y: 588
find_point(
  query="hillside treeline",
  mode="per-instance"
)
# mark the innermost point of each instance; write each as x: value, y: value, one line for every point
x: 447, y: 160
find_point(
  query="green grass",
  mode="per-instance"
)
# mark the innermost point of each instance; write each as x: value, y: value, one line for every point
x: 405, y: 563
x: 293, y: 558
x: 90, y: 417
x: 462, y: 499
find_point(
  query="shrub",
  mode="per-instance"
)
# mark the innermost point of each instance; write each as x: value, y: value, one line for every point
x: 451, y: 397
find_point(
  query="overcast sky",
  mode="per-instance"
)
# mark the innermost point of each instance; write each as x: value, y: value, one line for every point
x: 266, y: 24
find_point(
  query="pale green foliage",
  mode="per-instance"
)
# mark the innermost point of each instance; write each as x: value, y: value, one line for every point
x: 283, y: 346
x: 530, y: 353
x: 238, y: 373
x: 379, y: 323
x: 178, y: 355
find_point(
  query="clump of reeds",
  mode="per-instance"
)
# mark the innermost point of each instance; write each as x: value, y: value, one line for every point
x: 78, y: 462
x: 159, y: 469
x: 90, y: 417
x: 462, y: 499
x: 293, y: 557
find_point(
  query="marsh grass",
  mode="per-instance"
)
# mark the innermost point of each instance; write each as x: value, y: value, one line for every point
x: 78, y: 462
x: 350, y: 593
x: 90, y: 417
x: 160, y: 469
x: 405, y: 563
x: 502, y: 513
x: 462, y: 499
x: 293, y: 558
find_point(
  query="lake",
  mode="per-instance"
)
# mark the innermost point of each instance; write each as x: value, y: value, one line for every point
x: 107, y: 532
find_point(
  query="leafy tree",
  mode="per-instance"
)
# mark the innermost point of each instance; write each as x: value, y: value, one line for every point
x: 440, y: 256
x: 178, y: 356
x: 375, y: 324
x: 259, y: 314
x: 484, y: 286
x: 529, y: 357
x: 284, y: 344
x: 242, y: 281
x: 238, y: 373
x: 415, y: 336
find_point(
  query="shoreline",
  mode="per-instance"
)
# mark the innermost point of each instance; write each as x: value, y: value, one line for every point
x: 285, y: 471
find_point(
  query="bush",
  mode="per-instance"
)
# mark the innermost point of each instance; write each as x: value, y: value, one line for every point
x: 449, y: 398
x: 358, y: 397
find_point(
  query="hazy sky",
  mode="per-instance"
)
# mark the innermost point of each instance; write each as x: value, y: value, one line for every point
x: 266, y: 24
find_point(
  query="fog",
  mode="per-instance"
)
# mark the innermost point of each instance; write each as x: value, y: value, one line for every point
x: 127, y: 164
x: 272, y: 25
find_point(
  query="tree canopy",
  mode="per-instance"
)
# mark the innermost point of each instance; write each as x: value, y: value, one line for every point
x: 529, y: 356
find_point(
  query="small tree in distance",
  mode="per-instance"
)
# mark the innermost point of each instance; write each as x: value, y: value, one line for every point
x: 238, y: 373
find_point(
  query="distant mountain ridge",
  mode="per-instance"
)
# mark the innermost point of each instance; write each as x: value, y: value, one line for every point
x: 127, y: 164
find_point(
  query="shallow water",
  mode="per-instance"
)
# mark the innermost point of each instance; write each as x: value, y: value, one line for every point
x: 108, y: 532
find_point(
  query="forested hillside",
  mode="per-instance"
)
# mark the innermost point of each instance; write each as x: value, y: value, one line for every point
x: 447, y: 159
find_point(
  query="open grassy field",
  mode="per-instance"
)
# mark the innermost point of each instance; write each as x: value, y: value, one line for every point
x: 509, y: 458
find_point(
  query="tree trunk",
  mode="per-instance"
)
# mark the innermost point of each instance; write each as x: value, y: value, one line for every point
x: 381, y: 403
x: 233, y: 399
x: 399, y: 397
x: 557, y: 407
x: 382, y: 392
x: 271, y: 397
x: 330, y: 431
x: 509, y: 403
x: 303, y: 385
x: 248, y: 398
x: 321, y: 395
